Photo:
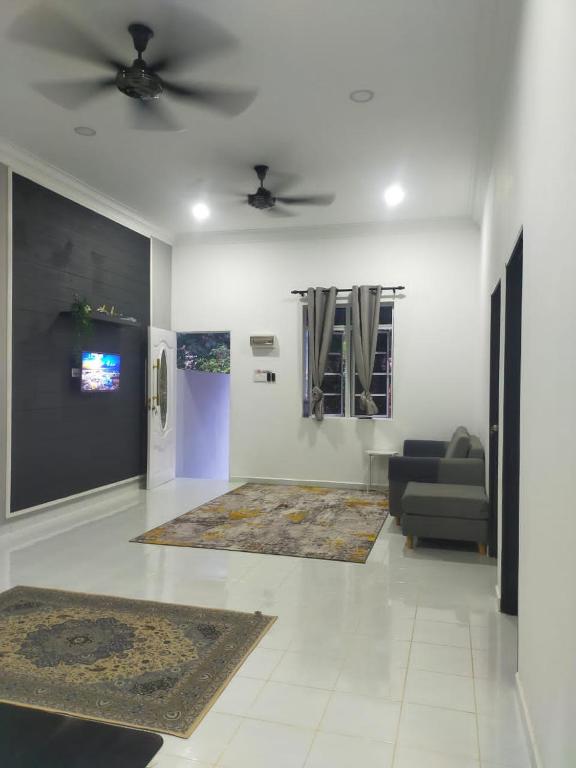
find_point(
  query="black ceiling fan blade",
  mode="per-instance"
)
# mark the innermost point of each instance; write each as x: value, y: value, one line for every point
x: 190, y: 38
x: 72, y: 94
x: 281, y: 182
x: 307, y: 199
x: 152, y: 115
x: 44, y: 27
x: 227, y: 101
x: 280, y: 212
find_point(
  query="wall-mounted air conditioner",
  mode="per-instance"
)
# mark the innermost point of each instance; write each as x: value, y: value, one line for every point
x: 263, y: 342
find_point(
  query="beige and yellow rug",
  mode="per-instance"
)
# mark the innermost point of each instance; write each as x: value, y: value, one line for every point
x: 301, y: 521
x: 146, y: 665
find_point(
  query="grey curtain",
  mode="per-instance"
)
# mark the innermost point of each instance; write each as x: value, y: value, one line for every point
x: 365, y: 320
x: 321, y: 311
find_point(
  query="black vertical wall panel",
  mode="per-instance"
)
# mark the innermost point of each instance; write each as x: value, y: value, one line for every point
x: 64, y: 441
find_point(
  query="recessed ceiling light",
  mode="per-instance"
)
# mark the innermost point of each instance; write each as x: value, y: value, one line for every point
x: 84, y: 130
x: 362, y: 95
x: 200, y: 211
x: 394, y: 195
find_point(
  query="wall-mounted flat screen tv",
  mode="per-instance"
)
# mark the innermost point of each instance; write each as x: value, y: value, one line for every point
x: 100, y: 372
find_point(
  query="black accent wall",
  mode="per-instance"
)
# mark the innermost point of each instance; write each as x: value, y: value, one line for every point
x: 65, y: 441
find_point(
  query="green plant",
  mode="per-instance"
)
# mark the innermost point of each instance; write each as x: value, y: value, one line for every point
x: 81, y: 310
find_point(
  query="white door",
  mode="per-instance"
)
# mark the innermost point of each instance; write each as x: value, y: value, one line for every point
x: 161, y: 407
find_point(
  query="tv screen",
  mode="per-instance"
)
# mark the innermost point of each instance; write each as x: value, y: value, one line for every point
x: 100, y: 372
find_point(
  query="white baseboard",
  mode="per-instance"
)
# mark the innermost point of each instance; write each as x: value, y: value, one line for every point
x: 75, y: 497
x: 122, y: 494
x: 535, y: 756
x: 294, y: 481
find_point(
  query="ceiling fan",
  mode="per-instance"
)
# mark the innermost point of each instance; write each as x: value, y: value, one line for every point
x: 143, y: 82
x: 265, y: 200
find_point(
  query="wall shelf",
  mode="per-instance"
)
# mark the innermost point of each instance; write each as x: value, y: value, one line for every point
x: 100, y: 317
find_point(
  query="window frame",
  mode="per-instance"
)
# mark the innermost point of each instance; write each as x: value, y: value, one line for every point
x: 348, y: 374
x: 388, y: 375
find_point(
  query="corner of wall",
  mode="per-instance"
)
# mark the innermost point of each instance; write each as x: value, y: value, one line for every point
x: 5, y: 303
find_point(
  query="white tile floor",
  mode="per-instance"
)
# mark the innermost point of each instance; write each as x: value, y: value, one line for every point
x: 400, y: 663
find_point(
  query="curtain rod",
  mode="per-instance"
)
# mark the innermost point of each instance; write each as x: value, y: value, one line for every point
x: 392, y: 288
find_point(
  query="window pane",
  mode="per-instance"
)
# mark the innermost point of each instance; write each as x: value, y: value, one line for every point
x: 334, y: 364
x: 336, y: 345
x: 383, y: 343
x: 340, y: 316
x: 386, y: 314
x: 332, y: 384
x: 306, y: 369
x: 379, y: 385
x: 379, y: 400
x: 381, y: 363
x: 333, y: 405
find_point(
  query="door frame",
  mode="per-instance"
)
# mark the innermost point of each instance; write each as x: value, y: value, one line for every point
x: 511, y: 432
x: 494, y: 417
x: 161, y: 443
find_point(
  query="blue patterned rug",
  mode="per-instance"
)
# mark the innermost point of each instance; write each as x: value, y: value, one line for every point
x: 147, y: 665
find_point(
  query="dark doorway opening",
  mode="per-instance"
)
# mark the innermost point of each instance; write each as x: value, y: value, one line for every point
x: 494, y: 416
x: 511, y: 435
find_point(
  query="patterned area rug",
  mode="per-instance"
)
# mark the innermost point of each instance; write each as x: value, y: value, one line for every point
x: 301, y: 521
x: 130, y: 662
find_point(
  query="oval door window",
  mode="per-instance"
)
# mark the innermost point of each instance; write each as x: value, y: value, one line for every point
x: 163, y: 388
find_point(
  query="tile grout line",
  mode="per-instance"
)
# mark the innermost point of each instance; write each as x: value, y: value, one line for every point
x: 475, y: 699
x: 395, y: 748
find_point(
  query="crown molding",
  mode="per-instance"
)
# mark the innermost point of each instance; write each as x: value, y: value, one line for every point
x: 34, y: 168
x: 326, y: 232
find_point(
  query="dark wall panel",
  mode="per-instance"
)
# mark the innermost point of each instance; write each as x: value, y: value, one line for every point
x: 64, y: 441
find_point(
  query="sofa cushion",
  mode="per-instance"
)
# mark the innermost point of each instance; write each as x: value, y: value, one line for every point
x: 443, y: 500
x: 459, y: 445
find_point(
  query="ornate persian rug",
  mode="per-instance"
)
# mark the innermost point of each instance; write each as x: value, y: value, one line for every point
x: 296, y: 520
x: 146, y: 665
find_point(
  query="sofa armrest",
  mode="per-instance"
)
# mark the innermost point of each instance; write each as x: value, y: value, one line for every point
x: 406, y: 469
x: 461, y: 471
x: 433, y: 448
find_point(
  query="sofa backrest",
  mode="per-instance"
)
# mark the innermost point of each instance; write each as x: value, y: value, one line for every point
x: 476, y: 448
x: 459, y: 445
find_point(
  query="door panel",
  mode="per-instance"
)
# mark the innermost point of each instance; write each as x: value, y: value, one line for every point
x: 493, y: 427
x: 511, y: 436
x: 161, y: 407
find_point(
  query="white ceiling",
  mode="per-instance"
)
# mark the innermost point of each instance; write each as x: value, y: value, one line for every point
x: 430, y: 63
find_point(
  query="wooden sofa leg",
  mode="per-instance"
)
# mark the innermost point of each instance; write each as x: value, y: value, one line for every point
x: 409, y: 542
x: 482, y: 549
x: 398, y: 520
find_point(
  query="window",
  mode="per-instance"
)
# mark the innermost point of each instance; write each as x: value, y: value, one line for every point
x: 335, y: 376
x: 342, y: 390
x: 381, y: 384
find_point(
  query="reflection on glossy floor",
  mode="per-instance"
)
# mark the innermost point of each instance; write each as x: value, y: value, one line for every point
x: 402, y: 662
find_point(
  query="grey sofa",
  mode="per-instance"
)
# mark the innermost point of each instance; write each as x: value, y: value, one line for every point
x: 459, y: 461
x: 437, y: 489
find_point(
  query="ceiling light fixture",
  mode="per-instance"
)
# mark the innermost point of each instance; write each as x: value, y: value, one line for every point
x: 200, y: 211
x: 394, y: 195
x: 362, y: 95
x: 84, y: 130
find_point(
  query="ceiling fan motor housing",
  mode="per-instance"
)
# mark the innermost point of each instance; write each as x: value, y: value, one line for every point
x: 138, y: 82
x: 262, y: 199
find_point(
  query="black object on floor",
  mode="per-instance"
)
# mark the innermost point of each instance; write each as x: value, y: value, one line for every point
x: 30, y: 738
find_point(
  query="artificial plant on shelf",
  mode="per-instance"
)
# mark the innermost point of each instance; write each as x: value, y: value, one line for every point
x: 81, y: 315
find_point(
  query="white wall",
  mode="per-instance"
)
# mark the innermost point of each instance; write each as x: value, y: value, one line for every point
x: 243, y: 283
x: 160, y: 283
x: 533, y: 185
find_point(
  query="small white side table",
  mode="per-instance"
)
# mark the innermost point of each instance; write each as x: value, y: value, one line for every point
x: 387, y: 452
